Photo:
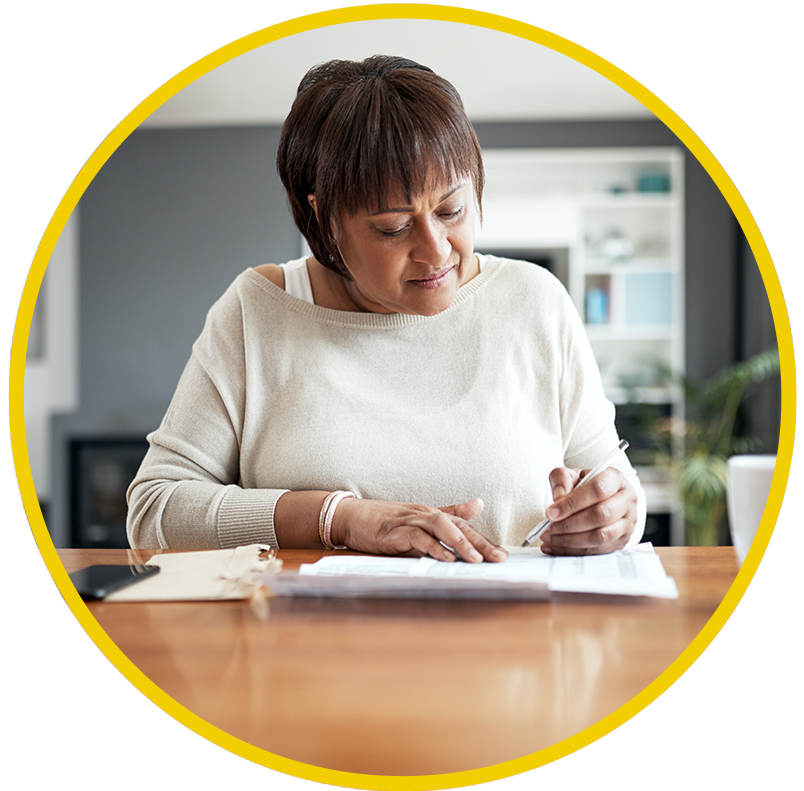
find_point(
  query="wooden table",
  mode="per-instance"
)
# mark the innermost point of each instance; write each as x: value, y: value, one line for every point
x: 411, y: 687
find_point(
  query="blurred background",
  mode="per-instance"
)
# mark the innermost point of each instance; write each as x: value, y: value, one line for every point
x: 582, y: 179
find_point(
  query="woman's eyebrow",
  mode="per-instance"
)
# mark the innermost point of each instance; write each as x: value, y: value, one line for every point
x: 384, y: 210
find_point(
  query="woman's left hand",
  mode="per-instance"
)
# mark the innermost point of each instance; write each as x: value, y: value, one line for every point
x: 592, y: 519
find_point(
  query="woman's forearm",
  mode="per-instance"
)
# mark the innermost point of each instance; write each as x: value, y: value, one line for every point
x: 296, y: 516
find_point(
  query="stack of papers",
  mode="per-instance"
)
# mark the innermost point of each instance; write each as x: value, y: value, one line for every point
x: 527, y: 574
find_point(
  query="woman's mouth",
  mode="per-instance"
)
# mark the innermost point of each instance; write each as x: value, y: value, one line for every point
x: 436, y: 280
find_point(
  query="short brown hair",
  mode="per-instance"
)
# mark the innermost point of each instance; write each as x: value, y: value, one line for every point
x: 358, y: 131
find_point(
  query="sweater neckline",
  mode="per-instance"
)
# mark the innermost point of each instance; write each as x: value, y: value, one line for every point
x: 490, y: 266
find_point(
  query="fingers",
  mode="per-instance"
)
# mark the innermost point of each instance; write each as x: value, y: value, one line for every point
x: 598, y: 490
x: 438, y: 528
x: 465, y: 511
x: 442, y: 539
x: 595, y: 518
x: 408, y: 529
x: 598, y: 541
x: 562, y: 481
x: 490, y: 551
x: 426, y: 544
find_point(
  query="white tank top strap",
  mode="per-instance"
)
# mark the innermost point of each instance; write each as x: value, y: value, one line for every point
x: 297, y: 279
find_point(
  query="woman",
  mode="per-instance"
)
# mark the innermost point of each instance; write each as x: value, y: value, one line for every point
x: 437, y: 386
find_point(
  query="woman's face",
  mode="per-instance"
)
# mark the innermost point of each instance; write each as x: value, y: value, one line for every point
x: 411, y: 257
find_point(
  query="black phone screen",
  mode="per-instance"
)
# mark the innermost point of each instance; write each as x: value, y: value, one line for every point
x: 95, y: 582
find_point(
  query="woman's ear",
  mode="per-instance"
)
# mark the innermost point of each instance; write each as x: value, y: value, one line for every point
x: 311, y: 200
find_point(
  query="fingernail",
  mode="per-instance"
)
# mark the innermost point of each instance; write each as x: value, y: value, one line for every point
x: 554, y: 512
x: 499, y: 553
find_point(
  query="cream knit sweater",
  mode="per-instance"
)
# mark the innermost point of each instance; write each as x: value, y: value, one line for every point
x: 481, y: 400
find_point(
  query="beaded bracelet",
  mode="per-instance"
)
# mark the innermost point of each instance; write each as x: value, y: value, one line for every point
x: 326, y: 516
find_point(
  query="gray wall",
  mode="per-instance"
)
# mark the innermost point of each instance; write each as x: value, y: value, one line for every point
x: 176, y: 214
x: 167, y: 224
x: 756, y: 332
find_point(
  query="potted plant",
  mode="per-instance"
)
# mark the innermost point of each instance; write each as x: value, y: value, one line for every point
x: 705, y: 438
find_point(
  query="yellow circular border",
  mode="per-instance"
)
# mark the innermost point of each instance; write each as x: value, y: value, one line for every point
x: 735, y: 677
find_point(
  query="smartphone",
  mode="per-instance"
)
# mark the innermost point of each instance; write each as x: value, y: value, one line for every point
x: 95, y: 582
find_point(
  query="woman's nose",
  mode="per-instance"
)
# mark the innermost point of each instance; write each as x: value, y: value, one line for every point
x: 431, y: 245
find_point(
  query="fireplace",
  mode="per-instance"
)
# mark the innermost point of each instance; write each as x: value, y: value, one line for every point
x: 95, y: 458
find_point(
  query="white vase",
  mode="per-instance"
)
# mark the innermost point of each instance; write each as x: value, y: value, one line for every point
x: 748, y: 487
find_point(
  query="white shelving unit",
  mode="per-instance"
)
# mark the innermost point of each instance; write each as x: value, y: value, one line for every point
x: 612, y: 220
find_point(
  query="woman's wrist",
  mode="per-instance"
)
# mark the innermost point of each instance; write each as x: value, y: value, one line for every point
x: 327, y: 516
x: 297, y: 519
x: 339, y: 532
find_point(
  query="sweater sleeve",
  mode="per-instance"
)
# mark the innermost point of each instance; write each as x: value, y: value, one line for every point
x: 186, y: 493
x: 587, y: 416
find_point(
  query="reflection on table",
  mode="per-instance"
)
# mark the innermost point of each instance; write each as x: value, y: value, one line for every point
x: 400, y: 687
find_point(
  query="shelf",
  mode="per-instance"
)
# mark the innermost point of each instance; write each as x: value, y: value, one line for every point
x: 631, y: 332
x: 631, y: 200
x: 602, y: 175
x: 598, y: 265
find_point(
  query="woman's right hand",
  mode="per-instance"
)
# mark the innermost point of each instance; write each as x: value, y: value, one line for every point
x: 387, y: 528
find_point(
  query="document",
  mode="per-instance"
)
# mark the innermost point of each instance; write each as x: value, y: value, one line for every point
x: 202, y: 576
x: 527, y: 574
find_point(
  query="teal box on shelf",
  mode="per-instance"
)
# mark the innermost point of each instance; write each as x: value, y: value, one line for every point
x: 654, y: 182
x: 648, y: 298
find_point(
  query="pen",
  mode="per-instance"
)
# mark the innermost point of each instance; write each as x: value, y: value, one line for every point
x: 545, y: 523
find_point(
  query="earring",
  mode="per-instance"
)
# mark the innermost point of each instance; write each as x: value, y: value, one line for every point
x: 331, y: 257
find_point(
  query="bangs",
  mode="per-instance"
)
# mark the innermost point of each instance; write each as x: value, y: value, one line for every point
x: 403, y: 139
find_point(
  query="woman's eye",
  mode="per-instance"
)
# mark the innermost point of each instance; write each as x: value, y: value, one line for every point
x: 454, y: 213
x: 393, y: 232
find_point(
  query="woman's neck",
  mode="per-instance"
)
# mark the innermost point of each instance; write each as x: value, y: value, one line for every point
x: 330, y: 289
